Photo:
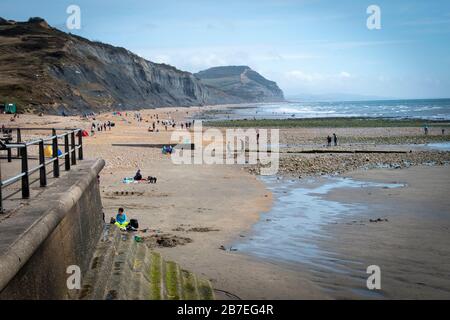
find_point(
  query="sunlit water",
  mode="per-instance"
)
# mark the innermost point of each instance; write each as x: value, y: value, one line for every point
x: 441, y: 146
x: 291, y: 231
x: 433, y: 109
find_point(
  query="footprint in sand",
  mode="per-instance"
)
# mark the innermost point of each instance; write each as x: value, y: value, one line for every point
x: 126, y: 193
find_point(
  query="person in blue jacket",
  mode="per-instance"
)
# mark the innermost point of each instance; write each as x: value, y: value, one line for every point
x: 121, y: 219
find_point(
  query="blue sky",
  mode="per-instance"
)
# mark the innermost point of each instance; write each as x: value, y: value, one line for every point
x: 307, y: 46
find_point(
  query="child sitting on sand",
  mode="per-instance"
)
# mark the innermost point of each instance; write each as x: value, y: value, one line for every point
x: 138, y: 178
x: 121, y: 219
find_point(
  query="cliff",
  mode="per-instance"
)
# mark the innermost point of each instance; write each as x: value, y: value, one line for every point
x: 44, y: 69
x: 242, y: 82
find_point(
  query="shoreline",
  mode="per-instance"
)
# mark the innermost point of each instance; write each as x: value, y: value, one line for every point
x: 221, y: 203
x: 329, y: 122
x: 368, y: 231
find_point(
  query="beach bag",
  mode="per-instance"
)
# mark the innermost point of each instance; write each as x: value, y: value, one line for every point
x: 48, y: 151
x: 128, y: 180
x: 134, y: 223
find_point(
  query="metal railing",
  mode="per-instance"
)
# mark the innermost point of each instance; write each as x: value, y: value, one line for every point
x: 69, y: 155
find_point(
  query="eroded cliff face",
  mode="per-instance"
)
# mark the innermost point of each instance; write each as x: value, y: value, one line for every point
x: 242, y: 82
x: 129, y: 81
x: 44, y: 69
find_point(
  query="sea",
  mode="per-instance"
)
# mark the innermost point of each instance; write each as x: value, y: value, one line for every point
x: 429, y: 109
x: 293, y: 231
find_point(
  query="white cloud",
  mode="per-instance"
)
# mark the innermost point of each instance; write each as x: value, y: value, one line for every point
x: 199, y: 58
x: 303, y: 76
x: 315, y: 77
x: 162, y: 58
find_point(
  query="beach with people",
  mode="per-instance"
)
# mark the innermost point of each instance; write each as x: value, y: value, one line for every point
x: 376, y: 196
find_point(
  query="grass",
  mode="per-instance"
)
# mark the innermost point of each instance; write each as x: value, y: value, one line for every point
x: 188, y: 282
x: 327, y: 123
x: 155, y: 276
x: 176, y: 280
x: 172, y: 280
x: 205, y: 290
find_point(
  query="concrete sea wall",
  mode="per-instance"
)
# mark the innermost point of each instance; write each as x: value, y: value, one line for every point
x: 59, y: 228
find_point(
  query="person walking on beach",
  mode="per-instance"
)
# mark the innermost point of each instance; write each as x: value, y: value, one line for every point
x: 335, y: 139
x: 328, y: 141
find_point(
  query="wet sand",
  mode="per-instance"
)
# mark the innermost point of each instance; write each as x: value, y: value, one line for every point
x: 412, y: 248
x: 224, y: 198
x: 335, y: 227
x: 232, y: 201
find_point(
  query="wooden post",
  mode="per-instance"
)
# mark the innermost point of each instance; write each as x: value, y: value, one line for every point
x: 67, y: 152
x: 55, y: 154
x: 25, y: 178
x: 42, y: 171
x: 19, y: 140
x: 80, y: 144
x: 1, y: 196
x: 72, y: 146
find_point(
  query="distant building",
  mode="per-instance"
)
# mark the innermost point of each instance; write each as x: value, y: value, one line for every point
x: 8, y: 108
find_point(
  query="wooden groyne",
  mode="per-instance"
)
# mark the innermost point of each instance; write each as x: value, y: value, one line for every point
x: 188, y: 146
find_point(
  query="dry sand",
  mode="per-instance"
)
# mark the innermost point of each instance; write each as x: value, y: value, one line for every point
x: 224, y: 198
x: 225, y: 201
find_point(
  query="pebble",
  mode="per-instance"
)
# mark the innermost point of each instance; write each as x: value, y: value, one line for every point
x: 326, y: 164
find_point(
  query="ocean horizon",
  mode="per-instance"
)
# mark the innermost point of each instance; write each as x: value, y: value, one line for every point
x: 427, y: 109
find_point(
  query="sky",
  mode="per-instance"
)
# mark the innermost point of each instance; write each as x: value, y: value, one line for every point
x: 306, y: 46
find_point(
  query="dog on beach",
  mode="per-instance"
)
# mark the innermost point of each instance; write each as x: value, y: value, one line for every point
x: 151, y: 179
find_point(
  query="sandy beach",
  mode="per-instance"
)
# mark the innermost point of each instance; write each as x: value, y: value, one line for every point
x: 412, y: 247
x: 195, y: 214
x: 225, y: 150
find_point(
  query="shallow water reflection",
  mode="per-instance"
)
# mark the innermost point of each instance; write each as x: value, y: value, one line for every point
x: 292, y: 230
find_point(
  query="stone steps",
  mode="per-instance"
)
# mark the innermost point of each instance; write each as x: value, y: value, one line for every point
x: 122, y: 268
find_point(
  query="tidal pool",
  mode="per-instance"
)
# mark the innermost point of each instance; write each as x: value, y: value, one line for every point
x: 441, y: 146
x: 291, y: 230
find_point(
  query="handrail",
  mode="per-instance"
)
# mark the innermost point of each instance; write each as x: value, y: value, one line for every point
x: 69, y: 154
x: 39, y: 128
